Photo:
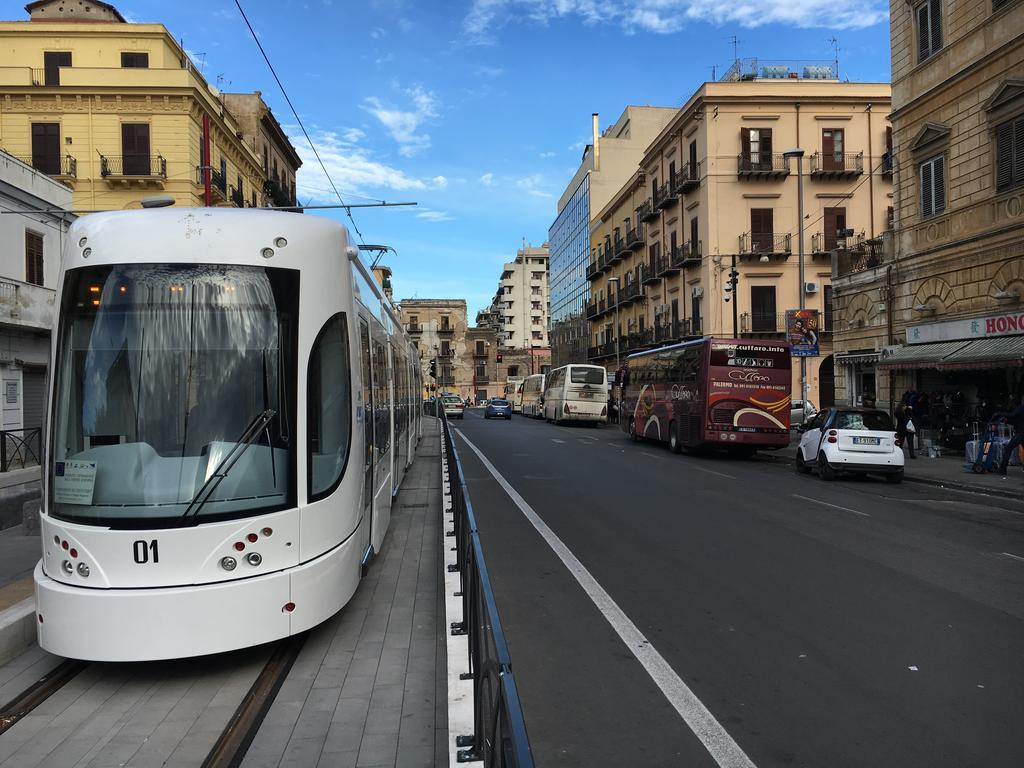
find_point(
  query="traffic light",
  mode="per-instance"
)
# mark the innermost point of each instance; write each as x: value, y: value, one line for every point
x: 433, y: 369
x: 499, y: 358
x: 730, y: 284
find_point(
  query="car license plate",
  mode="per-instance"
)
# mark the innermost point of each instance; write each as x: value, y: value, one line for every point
x: 866, y: 441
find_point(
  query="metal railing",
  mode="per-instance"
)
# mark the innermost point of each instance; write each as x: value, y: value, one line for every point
x: 133, y: 165
x: 762, y: 322
x: 687, y: 179
x: 762, y: 164
x: 499, y: 735
x: 837, y: 163
x: 53, y: 165
x: 635, y: 239
x: 235, y: 195
x: 860, y: 260
x: 629, y: 291
x: 277, y: 194
x: 762, y: 243
x: 665, y: 196
x: 20, y: 448
x: 646, y: 211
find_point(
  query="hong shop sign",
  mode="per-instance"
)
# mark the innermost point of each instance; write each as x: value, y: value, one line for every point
x: 973, y: 328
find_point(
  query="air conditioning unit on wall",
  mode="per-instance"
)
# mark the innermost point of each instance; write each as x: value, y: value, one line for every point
x: 810, y: 287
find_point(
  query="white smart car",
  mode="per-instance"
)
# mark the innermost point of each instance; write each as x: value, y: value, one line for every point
x: 856, y: 440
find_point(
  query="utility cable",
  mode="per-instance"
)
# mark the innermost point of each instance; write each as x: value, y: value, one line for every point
x: 297, y: 118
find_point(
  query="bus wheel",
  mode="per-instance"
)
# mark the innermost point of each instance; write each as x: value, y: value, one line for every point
x: 673, y: 438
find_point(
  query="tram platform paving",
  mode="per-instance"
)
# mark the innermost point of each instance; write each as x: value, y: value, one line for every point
x: 368, y: 689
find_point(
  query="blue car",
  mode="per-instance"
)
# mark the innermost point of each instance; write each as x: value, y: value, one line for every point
x: 498, y: 409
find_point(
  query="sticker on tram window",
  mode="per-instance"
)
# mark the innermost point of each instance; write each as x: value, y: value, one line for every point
x: 73, y: 481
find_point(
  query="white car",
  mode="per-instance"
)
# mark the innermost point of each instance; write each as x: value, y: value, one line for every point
x: 857, y: 440
x: 454, y: 408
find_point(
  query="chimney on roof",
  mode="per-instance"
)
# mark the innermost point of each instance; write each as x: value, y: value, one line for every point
x: 597, y: 148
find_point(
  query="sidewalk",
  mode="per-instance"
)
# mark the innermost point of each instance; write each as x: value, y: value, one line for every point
x: 945, y: 472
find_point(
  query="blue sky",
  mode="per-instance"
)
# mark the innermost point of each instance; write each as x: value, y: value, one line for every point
x: 479, y: 109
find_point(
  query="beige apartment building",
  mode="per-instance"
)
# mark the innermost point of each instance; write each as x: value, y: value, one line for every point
x: 714, y: 193
x: 938, y: 310
x: 523, y: 299
x: 609, y: 159
x: 438, y: 328
x: 117, y: 112
x: 260, y: 129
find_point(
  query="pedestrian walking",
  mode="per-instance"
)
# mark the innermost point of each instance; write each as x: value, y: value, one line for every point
x: 906, y: 429
x: 1016, y: 420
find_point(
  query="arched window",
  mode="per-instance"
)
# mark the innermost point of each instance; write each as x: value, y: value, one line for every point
x: 329, y: 407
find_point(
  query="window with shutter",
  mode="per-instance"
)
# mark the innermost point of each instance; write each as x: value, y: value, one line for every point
x: 693, y: 236
x: 835, y: 220
x: 135, y: 149
x: 761, y: 230
x: 745, y: 149
x: 933, y: 187
x: 929, y: 28
x: 33, y: 258
x: 46, y: 148
x: 52, y: 62
x: 762, y: 309
x: 1010, y: 154
x: 134, y: 60
x: 693, y: 159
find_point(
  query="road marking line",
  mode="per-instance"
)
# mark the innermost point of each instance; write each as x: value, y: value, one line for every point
x: 556, y: 440
x: 645, y: 453
x: 826, y: 504
x: 709, y: 471
x: 726, y: 752
x: 1015, y: 557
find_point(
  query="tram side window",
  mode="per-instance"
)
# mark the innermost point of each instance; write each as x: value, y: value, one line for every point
x: 382, y: 399
x: 329, y: 407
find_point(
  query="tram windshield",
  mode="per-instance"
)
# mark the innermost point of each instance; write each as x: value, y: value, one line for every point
x: 175, y: 394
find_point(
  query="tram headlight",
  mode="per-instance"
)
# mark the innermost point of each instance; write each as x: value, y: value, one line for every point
x: 280, y: 242
x: 228, y: 563
x: 67, y: 567
x: 83, y: 570
x: 254, y: 558
x: 267, y: 253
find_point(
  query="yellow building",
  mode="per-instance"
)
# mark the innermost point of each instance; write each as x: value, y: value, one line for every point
x: 117, y: 111
x: 939, y: 311
x: 713, y: 191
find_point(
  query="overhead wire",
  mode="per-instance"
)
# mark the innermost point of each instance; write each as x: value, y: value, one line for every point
x: 298, y: 119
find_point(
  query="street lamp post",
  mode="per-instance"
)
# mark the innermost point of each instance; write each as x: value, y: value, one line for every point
x: 799, y: 154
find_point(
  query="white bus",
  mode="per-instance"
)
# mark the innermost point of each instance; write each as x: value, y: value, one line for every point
x: 514, y: 393
x: 576, y: 393
x: 533, y: 393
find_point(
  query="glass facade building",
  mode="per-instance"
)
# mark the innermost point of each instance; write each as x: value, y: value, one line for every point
x: 569, y: 243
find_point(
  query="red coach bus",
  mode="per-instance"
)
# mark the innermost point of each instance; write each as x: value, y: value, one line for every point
x: 732, y: 393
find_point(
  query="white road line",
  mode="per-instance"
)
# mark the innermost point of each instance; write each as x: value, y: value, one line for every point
x: 691, y: 465
x: 1015, y: 557
x: 645, y: 453
x: 553, y: 440
x: 826, y: 504
x: 726, y: 752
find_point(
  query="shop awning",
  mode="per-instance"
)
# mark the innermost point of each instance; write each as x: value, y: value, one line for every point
x: 1001, y: 352
x: 921, y: 355
x: 851, y: 358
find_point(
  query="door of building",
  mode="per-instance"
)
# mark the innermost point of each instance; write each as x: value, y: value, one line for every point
x: 46, y: 148
x: 135, y: 149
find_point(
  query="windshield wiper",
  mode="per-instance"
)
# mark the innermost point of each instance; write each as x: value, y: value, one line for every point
x: 251, y: 432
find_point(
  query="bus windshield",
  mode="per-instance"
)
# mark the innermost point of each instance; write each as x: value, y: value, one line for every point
x: 162, y: 371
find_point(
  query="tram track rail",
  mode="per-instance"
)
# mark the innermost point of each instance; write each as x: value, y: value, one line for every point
x: 234, y: 741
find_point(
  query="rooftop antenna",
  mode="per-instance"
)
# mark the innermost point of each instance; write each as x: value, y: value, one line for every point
x: 222, y: 79
x: 834, y: 42
x: 735, y: 47
x: 714, y: 71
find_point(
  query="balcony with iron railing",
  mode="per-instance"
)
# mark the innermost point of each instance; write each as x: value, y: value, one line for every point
x: 629, y: 292
x: 592, y: 310
x: 687, y: 255
x: 665, y: 196
x: 666, y: 265
x: 635, y: 239
x: 128, y: 168
x: 870, y: 254
x: 445, y: 330
x: 687, y: 179
x: 771, y: 323
x: 836, y: 165
x: 618, y: 250
x: 594, y: 268
x: 61, y: 168
x: 641, y: 273
x: 765, y: 244
x: 414, y: 328
x: 762, y: 165
x: 235, y: 195
x: 279, y: 196
x: 647, y: 211
x: 650, y: 272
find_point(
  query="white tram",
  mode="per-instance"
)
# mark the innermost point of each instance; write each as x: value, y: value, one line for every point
x: 233, y: 406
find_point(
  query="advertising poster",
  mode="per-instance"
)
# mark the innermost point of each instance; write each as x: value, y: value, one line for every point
x: 802, y: 327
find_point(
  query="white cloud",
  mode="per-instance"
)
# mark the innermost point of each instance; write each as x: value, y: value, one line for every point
x: 428, y: 215
x: 403, y: 125
x: 667, y: 16
x: 487, y: 179
x: 533, y: 185
x: 439, y: 182
x: 352, y: 167
x: 546, y: 155
x: 376, y: 33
